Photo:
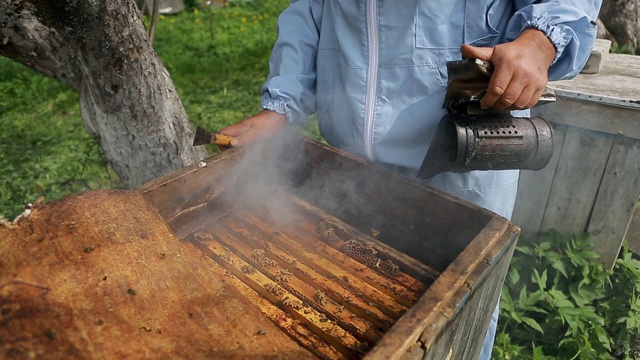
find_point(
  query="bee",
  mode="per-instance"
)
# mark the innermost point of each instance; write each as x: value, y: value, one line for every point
x: 257, y: 255
x: 347, y: 299
x: 321, y: 298
x: 200, y: 235
x: 331, y: 235
x: 248, y: 269
x: 283, y: 276
x: 286, y: 301
x: 266, y: 262
x: 297, y: 305
x: 274, y: 289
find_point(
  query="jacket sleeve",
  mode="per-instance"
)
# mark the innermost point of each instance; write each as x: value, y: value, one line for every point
x: 569, y: 24
x: 290, y: 87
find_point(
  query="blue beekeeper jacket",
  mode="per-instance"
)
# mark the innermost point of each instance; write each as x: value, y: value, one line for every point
x: 374, y: 71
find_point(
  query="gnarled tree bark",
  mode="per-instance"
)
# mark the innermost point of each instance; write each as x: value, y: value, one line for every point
x: 101, y: 49
x: 622, y: 19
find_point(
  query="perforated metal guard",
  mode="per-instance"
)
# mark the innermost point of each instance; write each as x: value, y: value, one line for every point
x: 507, y: 143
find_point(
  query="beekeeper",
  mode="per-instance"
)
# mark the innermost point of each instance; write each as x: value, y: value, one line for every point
x: 374, y: 71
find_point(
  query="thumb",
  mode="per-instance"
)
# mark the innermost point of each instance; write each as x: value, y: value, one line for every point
x: 474, y: 52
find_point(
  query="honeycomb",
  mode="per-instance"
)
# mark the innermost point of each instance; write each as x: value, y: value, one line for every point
x: 365, y: 252
x: 328, y: 232
x: 390, y: 268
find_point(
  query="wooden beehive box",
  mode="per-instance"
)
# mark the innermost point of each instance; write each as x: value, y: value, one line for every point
x: 347, y: 258
x: 592, y: 182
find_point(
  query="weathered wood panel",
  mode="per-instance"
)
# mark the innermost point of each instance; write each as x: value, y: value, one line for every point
x: 594, y: 180
x: 479, y: 301
x: 99, y: 275
x: 535, y: 188
x: 573, y: 192
x: 431, y: 320
x: 620, y: 186
x: 633, y: 233
x: 615, y: 120
x: 616, y: 84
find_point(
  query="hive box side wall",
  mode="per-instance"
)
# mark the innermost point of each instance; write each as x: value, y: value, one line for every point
x: 401, y: 212
x: 472, y: 273
x: 593, y: 181
x: 598, y: 116
x: 464, y: 335
x: 406, y: 214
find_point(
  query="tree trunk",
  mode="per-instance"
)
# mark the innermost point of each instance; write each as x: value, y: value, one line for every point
x: 101, y: 49
x: 622, y: 19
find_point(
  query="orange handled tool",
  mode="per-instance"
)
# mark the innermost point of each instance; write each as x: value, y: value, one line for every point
x: 204, y: 137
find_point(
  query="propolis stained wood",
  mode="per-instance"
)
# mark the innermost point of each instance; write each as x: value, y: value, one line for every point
x: 99, y: 275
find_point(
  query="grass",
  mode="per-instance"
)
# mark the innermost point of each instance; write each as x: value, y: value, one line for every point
x: 217, y: 58
x: 624, y: 49
x: 46, y: 152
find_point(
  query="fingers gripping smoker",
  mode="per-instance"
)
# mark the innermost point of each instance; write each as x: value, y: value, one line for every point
x: 470, y: 138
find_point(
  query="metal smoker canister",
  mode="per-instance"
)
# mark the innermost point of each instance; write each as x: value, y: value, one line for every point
x: 502, y: 143
x: 469, y: 138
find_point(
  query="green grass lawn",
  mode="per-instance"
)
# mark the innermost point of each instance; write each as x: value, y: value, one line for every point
x: 217, y: 58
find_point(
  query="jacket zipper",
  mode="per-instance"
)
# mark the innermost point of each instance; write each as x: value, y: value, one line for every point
x: 372, y: 77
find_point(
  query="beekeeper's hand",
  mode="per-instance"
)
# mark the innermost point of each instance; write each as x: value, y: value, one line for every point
x: 257, y: 127
x: 520, y: 70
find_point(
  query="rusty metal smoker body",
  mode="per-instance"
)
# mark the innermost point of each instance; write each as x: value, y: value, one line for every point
x: 469, y: 138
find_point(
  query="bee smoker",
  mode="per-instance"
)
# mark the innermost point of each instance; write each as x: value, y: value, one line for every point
x: 470, y: 138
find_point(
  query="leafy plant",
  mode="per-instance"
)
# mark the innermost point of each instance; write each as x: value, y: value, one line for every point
x: 623, y: 49
x: 558, y: 302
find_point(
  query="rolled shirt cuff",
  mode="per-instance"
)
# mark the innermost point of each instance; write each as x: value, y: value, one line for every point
x: 553, y: 32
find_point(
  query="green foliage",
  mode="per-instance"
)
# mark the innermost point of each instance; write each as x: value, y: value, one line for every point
x: 558, y: 302
x: 217, y: 58
x: 46, y: 152
x: 624, y: 49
